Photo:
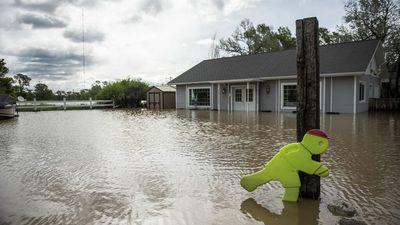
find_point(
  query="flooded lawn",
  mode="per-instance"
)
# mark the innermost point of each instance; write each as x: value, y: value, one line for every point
x: 184, y: 167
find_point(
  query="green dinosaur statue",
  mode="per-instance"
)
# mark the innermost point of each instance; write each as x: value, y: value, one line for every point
x: 291, y: 159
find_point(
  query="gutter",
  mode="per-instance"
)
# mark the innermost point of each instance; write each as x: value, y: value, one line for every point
x: 260, y: 79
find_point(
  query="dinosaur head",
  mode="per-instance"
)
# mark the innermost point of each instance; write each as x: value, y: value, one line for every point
x: 316, y: 141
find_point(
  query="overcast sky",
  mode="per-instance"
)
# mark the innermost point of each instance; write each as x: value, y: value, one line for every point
x: 148, y: 39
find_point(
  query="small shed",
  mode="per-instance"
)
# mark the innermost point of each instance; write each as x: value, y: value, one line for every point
x: 161, y: 97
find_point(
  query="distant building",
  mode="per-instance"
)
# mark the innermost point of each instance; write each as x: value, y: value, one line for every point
x: 161, y: 97
x: 350, y: 74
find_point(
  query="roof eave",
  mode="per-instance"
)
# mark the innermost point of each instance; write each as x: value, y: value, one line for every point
x: 357, y: 73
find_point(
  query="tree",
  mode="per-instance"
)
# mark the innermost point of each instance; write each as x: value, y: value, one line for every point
x: 60, y: 94
x: 95, y: 89
x: 285, y: 38
x: 248, y: 39
x: 42, y: 92
x: 341, y: 34
x: 377, y: 19
x: 5, y: 82
x: 84, y: 94
x: 3, y: 68
x: 393, y: 59
x: 23, y: 81
x: 127, y: 92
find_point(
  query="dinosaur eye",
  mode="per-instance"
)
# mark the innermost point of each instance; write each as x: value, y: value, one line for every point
x: 320, y: 143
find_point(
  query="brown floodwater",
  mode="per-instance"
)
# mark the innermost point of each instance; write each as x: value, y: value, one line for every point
x: 184, y: 167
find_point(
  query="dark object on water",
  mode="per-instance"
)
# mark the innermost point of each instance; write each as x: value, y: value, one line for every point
x: 7, y: 107
x: 342, y: 209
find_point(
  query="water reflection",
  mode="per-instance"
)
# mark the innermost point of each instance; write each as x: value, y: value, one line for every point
x: 291, y: 214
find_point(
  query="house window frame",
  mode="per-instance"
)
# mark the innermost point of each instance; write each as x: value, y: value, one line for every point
x: 321, y: 90
x: 282, y: 94
x: 189, y: 89
x: 238, y: 98
x: 248, y: 95
x: 359, y: 92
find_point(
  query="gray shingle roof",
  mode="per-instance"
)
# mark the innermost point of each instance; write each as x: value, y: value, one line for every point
x: 163, y: 88
x: 166, y: 88
x: 336, y: 58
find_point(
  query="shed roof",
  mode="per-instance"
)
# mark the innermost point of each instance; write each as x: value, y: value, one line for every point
x: 336, y: 58
x: 164, y: 88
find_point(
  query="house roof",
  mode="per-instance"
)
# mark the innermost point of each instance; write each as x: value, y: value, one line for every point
x: 163, y: 88
x: 337, y: 58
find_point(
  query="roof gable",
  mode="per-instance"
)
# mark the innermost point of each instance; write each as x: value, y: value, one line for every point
x: 163, y: 88
x: 337, y: 58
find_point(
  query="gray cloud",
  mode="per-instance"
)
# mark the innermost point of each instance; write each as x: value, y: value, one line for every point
x: 152, y: 6
x: 90, y: 35
x: 50, y: 6
x: 46, y: 6
x: 135, y: 18
x: 41, y: 63
x: 41, y: 21
x: 219, y: 4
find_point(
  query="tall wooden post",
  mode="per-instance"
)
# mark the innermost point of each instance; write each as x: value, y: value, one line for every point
x: 65, y: 103
x: 34, y: 105
x: 308, y: 93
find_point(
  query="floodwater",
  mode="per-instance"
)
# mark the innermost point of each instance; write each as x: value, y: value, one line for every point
x: 184, y: 167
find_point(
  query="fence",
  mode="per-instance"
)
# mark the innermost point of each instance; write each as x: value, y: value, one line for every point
x: 384, y: 104
x: 64, y: 104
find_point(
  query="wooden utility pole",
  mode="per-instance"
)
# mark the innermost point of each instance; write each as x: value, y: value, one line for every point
x: 308, y: 93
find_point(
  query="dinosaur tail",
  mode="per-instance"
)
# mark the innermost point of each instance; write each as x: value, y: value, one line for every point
x: 252, y: 181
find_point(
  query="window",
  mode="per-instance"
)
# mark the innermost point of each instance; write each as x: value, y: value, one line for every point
x: 238, y: 95
x: 361, y: 94
x: 249, y: 95
x: 289, y: 96
x: 199, y: 97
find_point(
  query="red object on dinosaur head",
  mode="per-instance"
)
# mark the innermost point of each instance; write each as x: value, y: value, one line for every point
x: 319, y: 133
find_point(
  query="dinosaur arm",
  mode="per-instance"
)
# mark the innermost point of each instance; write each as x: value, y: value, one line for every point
x: 301, y: 160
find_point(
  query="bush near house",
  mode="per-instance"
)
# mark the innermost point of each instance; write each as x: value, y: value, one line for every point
x: 126, y: 93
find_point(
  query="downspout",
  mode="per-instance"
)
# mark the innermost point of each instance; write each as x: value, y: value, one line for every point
x: 355, y: 95
x: 229, y: 98
x: 219, y: 97
x: 247, y: 97
x: 331, y: 95
x: 324, y: 96
x: 258, y: 97
x: 187, y: 97
x: 212, y: 97
x: 278, y: 96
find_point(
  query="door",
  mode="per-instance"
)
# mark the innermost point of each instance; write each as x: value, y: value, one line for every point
x: 243, y: 99
x: 154, y: 100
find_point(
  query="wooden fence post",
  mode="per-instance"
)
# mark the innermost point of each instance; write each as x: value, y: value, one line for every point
x: 90, y: 102
x: 34, y: 105
x: 113, y: 103
x: 308, y: 94
x: 65, y: 103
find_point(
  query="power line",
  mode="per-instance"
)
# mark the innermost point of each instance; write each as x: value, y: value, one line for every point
x: 83, y: 51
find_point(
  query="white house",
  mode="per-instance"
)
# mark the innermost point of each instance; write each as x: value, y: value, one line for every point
x: 349, y: 76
